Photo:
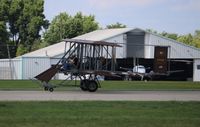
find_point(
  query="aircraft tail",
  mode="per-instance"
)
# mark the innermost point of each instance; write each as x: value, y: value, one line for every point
x: 125, y: 69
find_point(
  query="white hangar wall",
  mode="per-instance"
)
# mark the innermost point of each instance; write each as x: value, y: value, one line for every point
x: 32, y: 66
x: 23, y: 67
x: 10, y: 69
x: 54, y: 61
x: 121, y: 40
x: 176, y: 49
x: 196, y: 68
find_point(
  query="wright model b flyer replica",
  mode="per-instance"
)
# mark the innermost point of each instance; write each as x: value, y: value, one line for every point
x: 86, y: 60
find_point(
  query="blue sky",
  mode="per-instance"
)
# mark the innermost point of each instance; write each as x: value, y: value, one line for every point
x: 174, y: 16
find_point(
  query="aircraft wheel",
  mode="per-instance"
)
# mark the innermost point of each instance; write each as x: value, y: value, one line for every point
x: 51, y: 89
x: 84, y: 85
x: 46, y: 88
x: 146, y: 79
x: 92, y: 86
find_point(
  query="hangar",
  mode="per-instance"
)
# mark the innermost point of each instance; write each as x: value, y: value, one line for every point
x: 138, y: 48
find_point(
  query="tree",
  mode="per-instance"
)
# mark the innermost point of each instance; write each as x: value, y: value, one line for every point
x: 31, y: 21
x: 24, y: 20
x: 3, y: 39
x: 3, y: 33
x: 14, y: 12
x: 67, y: 26
x: 173, y: 36
x: 4, y: 7
x: 21, y: 50
x: 58, y: 29
x: 187, y: 39
x: 89, y: 24
x: 116, y: 25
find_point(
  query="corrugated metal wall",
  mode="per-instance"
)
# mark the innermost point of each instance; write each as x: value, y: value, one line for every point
x: 23, y: 68
x: 32, y: 66
x: 10, y: 69
x: 196, y: 72
x: 121, y: 51
x: 54, y: 61
x: 176, y: 50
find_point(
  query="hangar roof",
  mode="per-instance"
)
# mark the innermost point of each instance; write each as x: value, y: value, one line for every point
x: 50, y: 51
x: 59, y: 48
x: 98, y: 35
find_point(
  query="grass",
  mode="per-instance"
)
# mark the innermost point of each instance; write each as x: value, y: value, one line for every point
x: 18, y: 85
x: 151, y: 85
x: 107, y: 85
x: 100, y: 114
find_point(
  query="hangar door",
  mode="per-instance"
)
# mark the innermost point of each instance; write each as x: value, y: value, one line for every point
x: 135, y: 44
x: 160, y: 59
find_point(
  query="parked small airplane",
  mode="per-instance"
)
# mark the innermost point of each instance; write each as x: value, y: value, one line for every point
x: 139, y: 72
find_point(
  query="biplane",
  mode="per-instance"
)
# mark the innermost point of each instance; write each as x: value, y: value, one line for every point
x: 86, y: 60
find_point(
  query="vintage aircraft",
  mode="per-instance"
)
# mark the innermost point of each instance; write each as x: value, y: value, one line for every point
x: 139, y: 72
x: 86, y: 60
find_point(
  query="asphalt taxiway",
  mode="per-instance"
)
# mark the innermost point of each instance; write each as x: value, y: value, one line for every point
x: 100, y: 95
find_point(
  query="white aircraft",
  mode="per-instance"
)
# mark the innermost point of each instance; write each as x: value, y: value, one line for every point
x: 139, y: 72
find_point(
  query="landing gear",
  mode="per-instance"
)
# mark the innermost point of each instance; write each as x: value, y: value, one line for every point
x: 89, y: 85
x: 92, y: 86
x: 48, y: 87
x: 51, y: 89
x: 84, y: 85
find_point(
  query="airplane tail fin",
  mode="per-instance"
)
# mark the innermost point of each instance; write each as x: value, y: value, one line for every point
x: 48, y: 74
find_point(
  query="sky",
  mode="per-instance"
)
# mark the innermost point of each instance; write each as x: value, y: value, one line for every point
x: 173, y: 16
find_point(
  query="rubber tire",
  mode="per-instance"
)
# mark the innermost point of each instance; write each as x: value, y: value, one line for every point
x: 92, y: 86
x: 51, y: 89
x: 84, y: 85
x: 146, y: 78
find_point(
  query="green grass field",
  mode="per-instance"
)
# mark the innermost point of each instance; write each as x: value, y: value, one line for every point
x: 107, y: 85
x: 99, y: 114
